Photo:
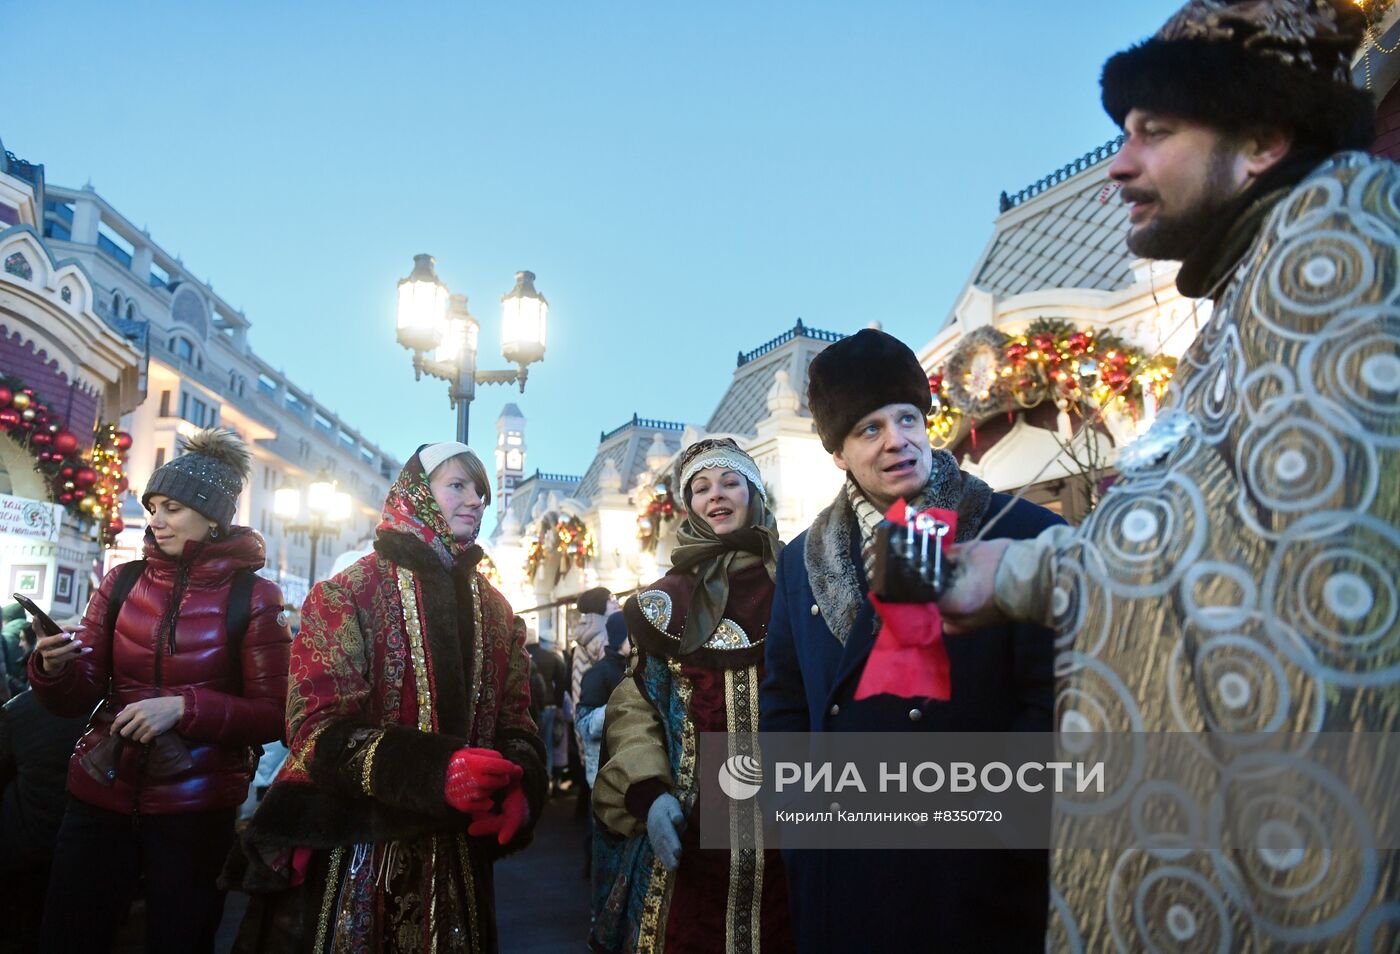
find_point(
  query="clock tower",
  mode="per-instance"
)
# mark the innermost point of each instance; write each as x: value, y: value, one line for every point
x: 510, y: 454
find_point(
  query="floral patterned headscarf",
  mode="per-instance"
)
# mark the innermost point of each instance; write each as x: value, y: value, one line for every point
x: 410, y: 509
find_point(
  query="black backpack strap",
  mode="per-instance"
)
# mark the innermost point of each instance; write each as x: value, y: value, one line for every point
x: 240, y: 613
x: 127, y: 575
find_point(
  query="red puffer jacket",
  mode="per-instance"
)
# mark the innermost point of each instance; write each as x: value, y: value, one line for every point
x: 218, y: 727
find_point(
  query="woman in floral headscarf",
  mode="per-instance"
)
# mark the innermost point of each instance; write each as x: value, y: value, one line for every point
x: 698, y: 632
x: 414, y: 763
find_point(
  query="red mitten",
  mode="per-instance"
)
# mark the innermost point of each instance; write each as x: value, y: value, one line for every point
x: 473, y: 774
x: 515, y: 811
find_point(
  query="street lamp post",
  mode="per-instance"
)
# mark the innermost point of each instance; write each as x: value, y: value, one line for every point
x: 442, y: 334
x: 326, y: 508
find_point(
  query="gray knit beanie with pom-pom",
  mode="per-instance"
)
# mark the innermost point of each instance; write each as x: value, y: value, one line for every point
x: 207, y: 477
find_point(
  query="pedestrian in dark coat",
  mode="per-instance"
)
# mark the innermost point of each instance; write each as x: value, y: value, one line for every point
x: 35, y: 746
x: 869, y: 397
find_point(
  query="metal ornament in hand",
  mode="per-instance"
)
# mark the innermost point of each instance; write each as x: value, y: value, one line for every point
x: 910, y: 566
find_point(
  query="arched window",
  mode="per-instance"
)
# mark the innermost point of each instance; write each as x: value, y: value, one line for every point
x: 130, y: 311
x: 116, y: 303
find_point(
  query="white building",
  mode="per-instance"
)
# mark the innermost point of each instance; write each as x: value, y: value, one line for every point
x: 1057, y: 252
x: 81, y: 367
x: 763, y: 409
x: 203, y: 371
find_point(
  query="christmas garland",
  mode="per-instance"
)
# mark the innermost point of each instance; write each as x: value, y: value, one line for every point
x: 661, y: 509
x: 568, y: 538
x: 487, y: 568
x: 1082, y: 369
x: 89, y: 488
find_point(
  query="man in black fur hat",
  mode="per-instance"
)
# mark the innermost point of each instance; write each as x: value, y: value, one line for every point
x: 1238, y: 581
x: 869, y: 398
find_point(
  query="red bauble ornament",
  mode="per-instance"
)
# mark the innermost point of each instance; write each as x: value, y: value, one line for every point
x: 65, y: 442
x: 6, y: 396
x: 9, y: 418
x: 85, y: 477
x: 42, y: 438
x: 67, y: 471
x: 116, y: 526
x: 65, y: 498
x: 122, y: 441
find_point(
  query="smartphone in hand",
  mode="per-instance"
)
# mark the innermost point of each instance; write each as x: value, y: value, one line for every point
x: 41, y: 619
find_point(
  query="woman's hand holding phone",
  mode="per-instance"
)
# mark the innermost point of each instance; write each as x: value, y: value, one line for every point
x: 56, y: 652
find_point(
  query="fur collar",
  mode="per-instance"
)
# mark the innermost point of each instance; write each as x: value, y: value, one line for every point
x: 833, y: 567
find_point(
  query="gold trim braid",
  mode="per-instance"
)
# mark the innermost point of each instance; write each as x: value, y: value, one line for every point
x: 469, y: 880
x: 413, y: 625
x: 478, y: 654
x: 743, y: 914
x: 367, y: 768
x: 328, y: 898
x: 656, y: 907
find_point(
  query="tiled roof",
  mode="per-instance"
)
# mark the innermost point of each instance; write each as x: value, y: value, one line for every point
x: 627, y: 448
x: 1064, y: 231
x: 744, y: 404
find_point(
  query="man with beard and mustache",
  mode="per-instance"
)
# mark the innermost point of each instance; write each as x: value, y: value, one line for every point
x: 1238, y: 581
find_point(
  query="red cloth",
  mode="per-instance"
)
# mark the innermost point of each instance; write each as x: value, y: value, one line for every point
x: 909, y: 659
x: 218, y: 726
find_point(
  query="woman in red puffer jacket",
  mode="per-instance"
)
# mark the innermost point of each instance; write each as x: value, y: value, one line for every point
x: 155, y: 782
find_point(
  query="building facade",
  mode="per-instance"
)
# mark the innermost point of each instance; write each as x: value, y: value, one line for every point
x: 615, y: 524
x: 64, y: 370
x: 201, y: 370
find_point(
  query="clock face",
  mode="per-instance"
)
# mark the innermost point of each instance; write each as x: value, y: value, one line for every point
x: 514, y: 460
x: 981, y: 373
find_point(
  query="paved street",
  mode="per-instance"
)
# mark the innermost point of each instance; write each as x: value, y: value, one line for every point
x: 541, y: 896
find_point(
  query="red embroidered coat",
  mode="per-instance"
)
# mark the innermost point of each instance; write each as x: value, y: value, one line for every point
x: 400, y: 661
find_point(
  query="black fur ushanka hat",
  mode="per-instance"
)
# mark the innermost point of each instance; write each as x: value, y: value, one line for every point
x: 860, y: 374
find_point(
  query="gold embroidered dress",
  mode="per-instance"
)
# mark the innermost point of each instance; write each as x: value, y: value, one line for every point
x: 403, y: 658
x: 731, y: 901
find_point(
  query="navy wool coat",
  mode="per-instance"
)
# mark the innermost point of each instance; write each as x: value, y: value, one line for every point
x: 916, y: 900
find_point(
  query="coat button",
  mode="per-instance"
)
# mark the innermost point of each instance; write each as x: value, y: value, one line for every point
x: 815, y: 611
x: 835, y: 710
x: 915, y: 715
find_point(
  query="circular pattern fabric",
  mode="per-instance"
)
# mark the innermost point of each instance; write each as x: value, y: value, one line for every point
x: 1238, y: 588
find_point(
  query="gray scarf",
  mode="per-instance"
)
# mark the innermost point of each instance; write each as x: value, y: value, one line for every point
x: 835, y: 579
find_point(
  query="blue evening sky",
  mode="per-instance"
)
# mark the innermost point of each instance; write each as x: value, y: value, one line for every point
x: 685, y: 179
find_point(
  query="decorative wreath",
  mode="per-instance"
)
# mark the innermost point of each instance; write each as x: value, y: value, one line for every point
x: 973, y: 376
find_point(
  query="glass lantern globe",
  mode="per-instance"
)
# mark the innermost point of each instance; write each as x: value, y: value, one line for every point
x: 524, y: 313
x: 422, y: 313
